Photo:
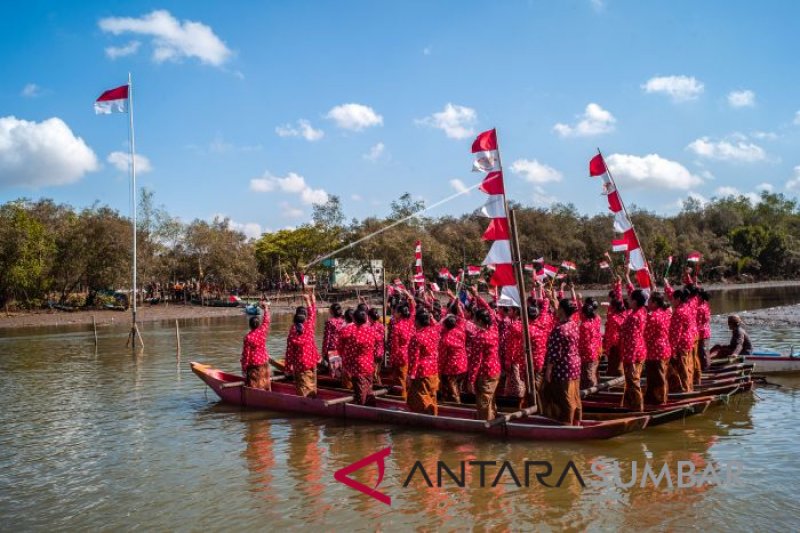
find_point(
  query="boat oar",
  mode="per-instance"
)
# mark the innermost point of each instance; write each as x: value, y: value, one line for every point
x: 232, y: 384
x: 603, y: 386
x: 348, y: 399
x: 278, y: 365
x: 504, y: 418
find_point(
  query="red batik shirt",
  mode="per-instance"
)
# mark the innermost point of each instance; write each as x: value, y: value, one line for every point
x: 254, y: 347
x: 301, y: 348
x: 538, y: 344
x: 703, y: 320
x: 402, y: 330
x: 379, y: 333
x: 591, y: 339
x: 683, y: 331
x: 613, y: 324
x: 357, y: 347
x: 514, y: 344
x: 656, y: 335
x: 453, y: 349
x: 563, y: 353
x: 423, y: 352
x: 631, y: 337
x: 486, y: 364
x: 471, y: 333
x: 331, y: 334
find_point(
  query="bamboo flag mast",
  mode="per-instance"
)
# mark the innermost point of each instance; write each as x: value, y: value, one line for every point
x: 134, y: 334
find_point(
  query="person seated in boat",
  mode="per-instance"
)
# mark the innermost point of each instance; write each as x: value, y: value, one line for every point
x: 302, y: 356
x: 591, y: 342
x: 740, y: 341
x: 484, y: 366
x: 453, y: 351
x: 402, y: 329
x: 659, y: 349
x: 356, y: 345
x: 634, y: 350
x: 255, y: 358
x: 423, y: 364
x: 561, y: 396
x: 333, y: 324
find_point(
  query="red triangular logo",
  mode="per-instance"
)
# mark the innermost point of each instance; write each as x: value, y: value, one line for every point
x: 342, y: 475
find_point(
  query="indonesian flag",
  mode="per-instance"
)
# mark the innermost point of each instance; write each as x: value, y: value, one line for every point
x: 435, y: 287
x: 529, y: 267
x: 493, y: 184
x: 487, y: 158
x: 539, y: 261
x: 473, y: 270
x: 499, y: 253
x: 604, y: 265
x: 636, y: 260
x: 419, y: 278
x: 621, y: 222
x: 494, y: 207
x: 694, y: 257
x: 497, y: 230
x: 549, y: 271
x: 569, y: 265
x: 112, y: 101
x: 445, y: 273
x: 619, y: 245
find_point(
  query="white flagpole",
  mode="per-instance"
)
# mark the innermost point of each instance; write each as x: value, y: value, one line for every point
x: 132, y: 139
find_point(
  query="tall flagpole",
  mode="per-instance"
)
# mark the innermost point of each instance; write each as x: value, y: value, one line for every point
x: 633, y: 226
x: 132, y: 140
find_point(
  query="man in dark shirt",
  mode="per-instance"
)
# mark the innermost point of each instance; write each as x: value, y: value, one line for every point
x: 740, y: 341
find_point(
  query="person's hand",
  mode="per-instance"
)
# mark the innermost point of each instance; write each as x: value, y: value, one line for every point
x: 563, y: 284
x: 473, y: 290
x: 450, y: 294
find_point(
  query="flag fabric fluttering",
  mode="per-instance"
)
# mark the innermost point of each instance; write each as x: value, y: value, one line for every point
x: 444, y: 273
x: 529, y: 267
x: 499, y: 258
x: 694, y: 257
x: 473, y: 270
x: 112, y: 101
x: 568, y: 265
x: 419, y: 277
x: 604, y: 265
x: 622, y: 225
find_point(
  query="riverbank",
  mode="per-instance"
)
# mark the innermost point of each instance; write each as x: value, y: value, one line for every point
x: 147, y: 313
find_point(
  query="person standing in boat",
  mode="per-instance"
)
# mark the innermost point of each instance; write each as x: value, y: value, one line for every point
x: 423, y: 364
x: 659, y: 349
x: 591, y: 342
x: 302, y: 356
x: 616, y: 315
x: 356, y: 345
x: 484, y: 370
x: 255, y: 357
x: 374, y: 317
x: 633, y: 350
x: 561, y: 395
x: 538, y: 335
x: 740, y: 341
x: 333, y: 324
x: 402, y: 330
x: 453, y: 351
x: 512, y: 344
x: 682, y: 333
x: 703, y: 327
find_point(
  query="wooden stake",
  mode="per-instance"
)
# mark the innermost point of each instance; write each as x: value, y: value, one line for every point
x: 94, y: 326
x: 178, y: 339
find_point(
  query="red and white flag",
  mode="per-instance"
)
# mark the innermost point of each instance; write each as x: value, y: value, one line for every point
x: 619, y: 245
x: 500, y: 252
x: 539, y: 261
x: 473, y: 270
x: 604, y: 265
x: 569, y: 265
x: 495, y: 207
x: 493, y: 184
x: 694, y: 257
x: 497, y: 230
x: 435, y: 287
x: 487, y: 158
x: 529, y: 267
x: 112, y: 101
x: 549, y: 271
x: 444, y: 272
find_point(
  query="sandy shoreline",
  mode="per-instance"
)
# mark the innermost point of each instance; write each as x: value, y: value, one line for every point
x: 147, y: 313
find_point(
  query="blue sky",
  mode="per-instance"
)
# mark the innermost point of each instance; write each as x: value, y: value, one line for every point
x: 242, y: 109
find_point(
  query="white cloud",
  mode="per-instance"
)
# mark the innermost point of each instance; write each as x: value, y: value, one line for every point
x: 594, y: 121
x: 251, y: 230
x: 724, y: 192
x: 121, y: 160
x: 290, y: 211
x: 113, y: 52
x: 40, y: 154
x: 727, y: 191
x: 459, y: 186
x: 31, y: 90
x: 738, y: 149
x: 303, y: 129
x: 291, y: 184
x: 375, y: 152
x: 535, y: 172
x: 746, y: 98
x: 651, y: 172
x: 794, y: 183
x: 679, y: 88
x: 356, y: 197
x: 765, y: 135
x: 541, y: 198
x: 456, y: 121
x: 354, y: 117
x: 172, y: 39
x: 766, y: 187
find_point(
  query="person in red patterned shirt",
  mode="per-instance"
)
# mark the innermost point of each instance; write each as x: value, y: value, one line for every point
x: 659, y: 349
x: 402, y: 330
x: 682, y: 332
x: 591, y: 342
x: 561, y: 396
x: 538, y: 334
x: 356, y: 344
x: 302, y: 356
x: 617, y: 312
x: 513, y: 345
x: 703, y: 328
x: 453, y: 351
x: 255, y: 358
x: 634, y: 351
x: 423, y: 364
x: 484, y: 370
x: 332, y: 326
x: 374, y: 318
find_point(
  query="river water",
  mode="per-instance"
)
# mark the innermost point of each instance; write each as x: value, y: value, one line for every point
x: 104, y: 439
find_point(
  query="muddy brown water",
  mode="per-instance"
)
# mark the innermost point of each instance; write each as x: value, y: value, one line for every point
x: 103, y: 439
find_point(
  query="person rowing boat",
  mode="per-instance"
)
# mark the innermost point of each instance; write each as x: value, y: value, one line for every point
x: 740, y: 341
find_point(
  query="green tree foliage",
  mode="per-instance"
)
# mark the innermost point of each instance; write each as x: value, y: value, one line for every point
x: 25, y: 248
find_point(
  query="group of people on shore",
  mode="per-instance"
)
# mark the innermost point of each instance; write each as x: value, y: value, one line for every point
x: 468, y: 347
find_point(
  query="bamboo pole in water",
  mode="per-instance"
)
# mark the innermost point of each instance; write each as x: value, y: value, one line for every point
x: 94, y: 326
x: 177, y: 340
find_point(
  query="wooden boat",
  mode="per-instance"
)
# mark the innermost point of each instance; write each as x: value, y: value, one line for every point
x: 230, y: 389
x: 727, y: 389
x: 658, y: 415
x: 767, y: 362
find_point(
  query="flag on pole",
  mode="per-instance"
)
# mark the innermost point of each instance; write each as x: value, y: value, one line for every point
x: 604, y: 265
x: 419, y: 278
x: 539, y: 261
x: 694, y: 257
x: 473, y: 270
x: 529, y: 267
x: 619, y: 245
x: 550, y: 271
x: 444, y: 273
x: 435, y: 287
x: 112, y: 101
x: 568, y: 265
